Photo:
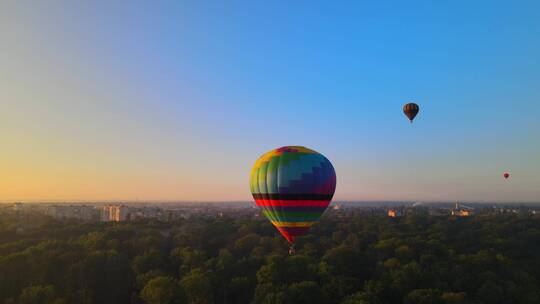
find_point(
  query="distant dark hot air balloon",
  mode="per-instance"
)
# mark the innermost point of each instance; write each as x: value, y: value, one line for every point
x: 410, y: 110
x: 293, y: 185
x: 506, y: 175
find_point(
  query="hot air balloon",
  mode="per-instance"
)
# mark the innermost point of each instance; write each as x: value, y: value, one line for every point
x: 506, y: 175
x: 410, y: 110
x: 293, y: 185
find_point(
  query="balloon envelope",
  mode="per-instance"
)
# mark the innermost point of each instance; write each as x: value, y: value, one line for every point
x: 293, y: 185
x: 506, y: 175
x: 410, y: 110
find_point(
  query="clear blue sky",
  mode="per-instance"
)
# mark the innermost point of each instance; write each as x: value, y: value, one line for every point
x: 176, y: 100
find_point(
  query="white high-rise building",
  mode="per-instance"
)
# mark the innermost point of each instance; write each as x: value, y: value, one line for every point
x: 114, y: 213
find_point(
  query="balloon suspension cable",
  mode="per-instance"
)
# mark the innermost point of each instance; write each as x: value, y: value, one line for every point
x: 292, y: 250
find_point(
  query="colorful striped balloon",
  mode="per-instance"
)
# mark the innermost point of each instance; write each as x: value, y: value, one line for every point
x: 293, y: 185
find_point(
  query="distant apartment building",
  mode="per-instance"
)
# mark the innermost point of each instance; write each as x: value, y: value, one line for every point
x: 461, y: 213
x: 395, y: 213
x: 80, y: 212
x: 114, y: 213
x: 438, y: 211
x: 18, y: 207
x: 462, y: 210
x: 146, y: 213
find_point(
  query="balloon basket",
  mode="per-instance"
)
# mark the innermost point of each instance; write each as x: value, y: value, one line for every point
x: 292, y: 250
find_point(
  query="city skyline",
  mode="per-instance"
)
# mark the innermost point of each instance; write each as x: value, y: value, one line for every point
x: 175, y: 102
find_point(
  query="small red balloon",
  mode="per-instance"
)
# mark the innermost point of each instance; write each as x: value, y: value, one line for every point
x: 506, y: 175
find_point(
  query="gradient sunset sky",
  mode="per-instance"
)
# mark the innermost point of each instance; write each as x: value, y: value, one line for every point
x: 127, y: 100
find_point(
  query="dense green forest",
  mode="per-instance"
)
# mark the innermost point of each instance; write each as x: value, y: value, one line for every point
x: 345, y: 259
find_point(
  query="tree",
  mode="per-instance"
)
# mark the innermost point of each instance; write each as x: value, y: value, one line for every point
x: 150, y: 260
x: 239, y: 290
x: 188, y: 259
x: 162, y: 290
x: 344, y: 260
x: 245, y: 245
x: 351, y: 259
x: 454, y: 298
x: 198, y: 288
x: 306, y: 292
x: 491, y: 292
x: 39, y: 295
x: 343, y: 270
x: 424, y: 296
x: 106, y: 278
x: 361, y: 297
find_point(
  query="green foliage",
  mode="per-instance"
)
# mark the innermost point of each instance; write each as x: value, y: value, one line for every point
x: 198, y: 287
x: 424, y: 296
x: 454, y: 298
x: 361, y: 297
x: 306, y: 292
x: 348, y: 259
x: 149, y: 260
x: 39, y: 295
x: 162, y: 290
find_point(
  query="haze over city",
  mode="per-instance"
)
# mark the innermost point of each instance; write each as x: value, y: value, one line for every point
x: 176, y: 101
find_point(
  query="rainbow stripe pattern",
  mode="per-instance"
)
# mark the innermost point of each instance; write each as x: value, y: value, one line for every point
x: 293, y: 185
